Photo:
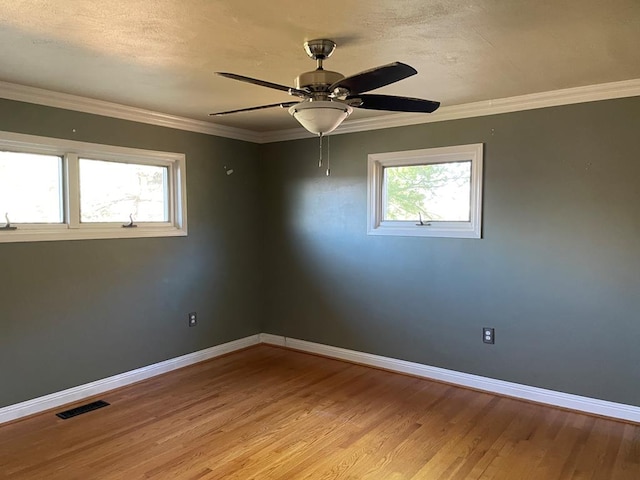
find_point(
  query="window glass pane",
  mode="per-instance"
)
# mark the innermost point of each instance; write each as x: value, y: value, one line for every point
x: 437, y: 191
x: 30, y: 188
x: 111, y: 191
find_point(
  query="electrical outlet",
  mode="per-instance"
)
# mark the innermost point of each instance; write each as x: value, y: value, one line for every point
x: 489, y: 335
x: 193, y: 319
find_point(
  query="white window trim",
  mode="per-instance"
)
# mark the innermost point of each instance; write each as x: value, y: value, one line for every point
x: 378, y: 161
x: 73, y: 229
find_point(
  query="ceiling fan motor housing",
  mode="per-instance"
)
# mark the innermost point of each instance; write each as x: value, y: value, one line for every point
x: 317, y: 80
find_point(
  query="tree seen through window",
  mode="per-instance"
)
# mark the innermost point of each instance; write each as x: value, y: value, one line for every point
x: 435, y: 192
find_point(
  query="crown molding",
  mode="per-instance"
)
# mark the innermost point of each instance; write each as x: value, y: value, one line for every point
x: 39, y: 96
x: 567, y: 96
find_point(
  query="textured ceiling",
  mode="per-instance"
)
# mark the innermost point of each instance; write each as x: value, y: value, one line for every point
x: 161, y: 54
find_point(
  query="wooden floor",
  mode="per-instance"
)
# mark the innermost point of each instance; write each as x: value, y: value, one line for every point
x: 270, y: 413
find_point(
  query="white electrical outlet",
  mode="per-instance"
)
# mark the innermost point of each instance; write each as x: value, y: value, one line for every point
x: 489, y: 335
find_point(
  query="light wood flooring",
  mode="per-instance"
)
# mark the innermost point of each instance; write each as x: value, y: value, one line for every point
x: 271, y: 413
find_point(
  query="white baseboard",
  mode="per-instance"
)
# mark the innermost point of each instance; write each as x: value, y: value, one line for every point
x: 54, y: 400
x: 273, y: 339
x: 540, y: 395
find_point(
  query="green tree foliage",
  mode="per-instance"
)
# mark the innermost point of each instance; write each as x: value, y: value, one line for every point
x: 431, y: 190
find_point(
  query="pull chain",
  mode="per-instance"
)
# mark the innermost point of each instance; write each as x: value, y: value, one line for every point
x: 321, y: 136
x: 328, y: 158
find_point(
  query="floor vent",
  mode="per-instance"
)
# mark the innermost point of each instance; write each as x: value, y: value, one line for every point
x: 82, y: 409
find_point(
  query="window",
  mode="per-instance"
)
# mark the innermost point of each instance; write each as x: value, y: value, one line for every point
x: 53, y: 189
x: 436, y: 192
x: 31, y: 198
x: 111, y: 191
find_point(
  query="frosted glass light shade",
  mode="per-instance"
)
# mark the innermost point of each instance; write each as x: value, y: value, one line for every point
x: 320, y: 117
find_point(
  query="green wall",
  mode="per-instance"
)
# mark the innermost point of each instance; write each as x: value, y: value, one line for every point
x: 278, y: 247
x: 72, y: 312
x: 557, y: 272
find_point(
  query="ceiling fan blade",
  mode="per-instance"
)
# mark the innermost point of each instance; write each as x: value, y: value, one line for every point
x: 375, y: 78
x: 392, y: 103
x: 261, y: 107
x: 263, y: 83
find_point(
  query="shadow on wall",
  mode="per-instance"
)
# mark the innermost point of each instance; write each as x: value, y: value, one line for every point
x: 556, y: 272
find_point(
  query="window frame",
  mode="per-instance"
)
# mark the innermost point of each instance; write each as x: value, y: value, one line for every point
x: 377, y: 162
x: 71, y: 228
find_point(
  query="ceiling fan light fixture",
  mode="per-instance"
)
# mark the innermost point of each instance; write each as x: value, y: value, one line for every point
x: 320, y: 117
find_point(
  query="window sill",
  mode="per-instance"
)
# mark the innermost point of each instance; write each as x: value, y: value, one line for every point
x: 408, y: 229
x: 57, y: 234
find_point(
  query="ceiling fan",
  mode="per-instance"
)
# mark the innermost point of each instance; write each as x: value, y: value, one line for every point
x: 327, y: 98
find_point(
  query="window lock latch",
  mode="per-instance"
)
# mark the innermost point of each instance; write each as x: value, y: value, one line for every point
x: 130, y: 224
x: 8, y: 224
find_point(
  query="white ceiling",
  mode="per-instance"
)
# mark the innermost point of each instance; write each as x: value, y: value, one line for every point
x: 160, y: 55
